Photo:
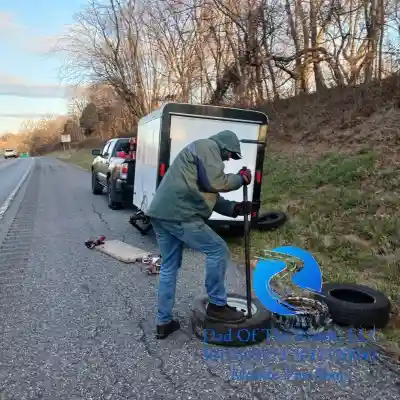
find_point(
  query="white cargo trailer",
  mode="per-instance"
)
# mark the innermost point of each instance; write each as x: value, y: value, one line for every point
x: 165, y: 132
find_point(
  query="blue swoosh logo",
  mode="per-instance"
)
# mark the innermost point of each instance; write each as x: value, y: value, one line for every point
x: 309, y: 278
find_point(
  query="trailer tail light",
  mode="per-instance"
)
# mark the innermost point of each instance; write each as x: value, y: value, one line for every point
x: 258, y: 177
x: 162, y: 169
x: 123, y: 174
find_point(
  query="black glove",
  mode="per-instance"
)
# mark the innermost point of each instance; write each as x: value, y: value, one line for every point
x: 242, y: 208
x: 245, y: 173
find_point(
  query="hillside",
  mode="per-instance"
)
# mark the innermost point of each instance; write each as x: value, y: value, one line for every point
x: 333, y: 165
x: 362, y: 116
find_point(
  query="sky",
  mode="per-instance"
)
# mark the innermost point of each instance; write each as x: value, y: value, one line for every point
x: 30, y: 85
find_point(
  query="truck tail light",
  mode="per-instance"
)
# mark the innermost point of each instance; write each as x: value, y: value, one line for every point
x: 258, y: 177
x: 123, y: 174
x: 162, y: 169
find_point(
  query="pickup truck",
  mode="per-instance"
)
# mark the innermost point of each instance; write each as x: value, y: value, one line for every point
x: 113, y: 169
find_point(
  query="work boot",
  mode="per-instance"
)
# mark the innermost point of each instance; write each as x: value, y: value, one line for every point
x: 225, y: 314
x: 165, y: 330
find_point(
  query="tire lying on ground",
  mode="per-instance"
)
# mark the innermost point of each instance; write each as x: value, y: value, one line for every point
x: 253, y: 330
x: 355, y: 305
x: 271, y: 220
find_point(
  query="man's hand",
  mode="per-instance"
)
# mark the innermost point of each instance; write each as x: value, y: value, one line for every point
x: 242, y: 208
x: 246, y: 175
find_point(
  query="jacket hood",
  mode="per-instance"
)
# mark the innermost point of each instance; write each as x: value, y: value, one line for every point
x: 228, y: 141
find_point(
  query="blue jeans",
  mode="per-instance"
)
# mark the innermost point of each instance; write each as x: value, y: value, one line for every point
x: 171, y: 236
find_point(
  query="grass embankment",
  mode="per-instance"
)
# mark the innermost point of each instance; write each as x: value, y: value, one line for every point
x: 81, y: 157
x: 344, y: 209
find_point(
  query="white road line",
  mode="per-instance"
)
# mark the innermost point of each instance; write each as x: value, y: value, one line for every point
x: 10, y: 198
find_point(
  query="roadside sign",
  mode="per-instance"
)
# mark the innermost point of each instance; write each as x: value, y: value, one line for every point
x: 65, y: 138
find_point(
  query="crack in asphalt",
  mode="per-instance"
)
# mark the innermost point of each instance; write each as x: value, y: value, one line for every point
x: 100, y: 215
x: 161, y: 363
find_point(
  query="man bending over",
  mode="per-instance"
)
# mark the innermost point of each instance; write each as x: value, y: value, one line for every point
x: 186, y: 197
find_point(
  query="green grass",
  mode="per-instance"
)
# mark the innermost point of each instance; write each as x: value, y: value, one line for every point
x: 343, y: 209
x: 81, y: 157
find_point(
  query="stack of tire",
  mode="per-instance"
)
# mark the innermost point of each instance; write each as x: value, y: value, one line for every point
x: 345, y: 304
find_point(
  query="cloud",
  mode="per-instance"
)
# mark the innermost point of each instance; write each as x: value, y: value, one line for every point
x: 35, y: 91
x: 15, y: 86
x: 18, y: 34
x: 28, y: 116
x: 8, y: 24
x: 11, y: 79
x: 42, y: 44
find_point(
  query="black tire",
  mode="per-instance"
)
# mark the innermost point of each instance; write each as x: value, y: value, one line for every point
x: 114, y: 205
x: 253, y: 330
x: 236, y: 230
x: 271, y: 220
x: 229, y: 231
x: 355, y: 305
x: 312, y: 320
x: 96, y: 187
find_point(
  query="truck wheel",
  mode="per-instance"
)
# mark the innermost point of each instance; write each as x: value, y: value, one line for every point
x: 114, y: 205
x: 96, y: 187
x: 253, y: 330
x: 355, y: 305
x: 271, y: 220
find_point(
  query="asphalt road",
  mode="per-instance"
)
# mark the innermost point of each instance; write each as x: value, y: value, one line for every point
x: 11, y: 171
x: 76, y: 324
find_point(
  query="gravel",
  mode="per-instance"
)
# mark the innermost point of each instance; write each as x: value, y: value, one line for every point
x: 77, y: 324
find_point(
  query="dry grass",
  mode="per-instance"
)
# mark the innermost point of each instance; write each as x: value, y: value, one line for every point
x: 336, y: 116
x: 345, y: 209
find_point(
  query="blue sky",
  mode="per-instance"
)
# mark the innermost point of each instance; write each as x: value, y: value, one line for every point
x: 29, y: 77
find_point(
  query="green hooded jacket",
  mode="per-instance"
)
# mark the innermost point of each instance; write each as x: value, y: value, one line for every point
x: 190, y: 188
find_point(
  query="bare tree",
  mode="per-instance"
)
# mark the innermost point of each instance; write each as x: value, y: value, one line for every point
x: 108, y: 45
x: 223, y: 51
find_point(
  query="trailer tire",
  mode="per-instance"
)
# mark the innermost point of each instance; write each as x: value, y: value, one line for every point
x: 355, y: 305
x: 253, y: 330
x: 271, y: 220
x: 96, y: 187
x: 114, y: 205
